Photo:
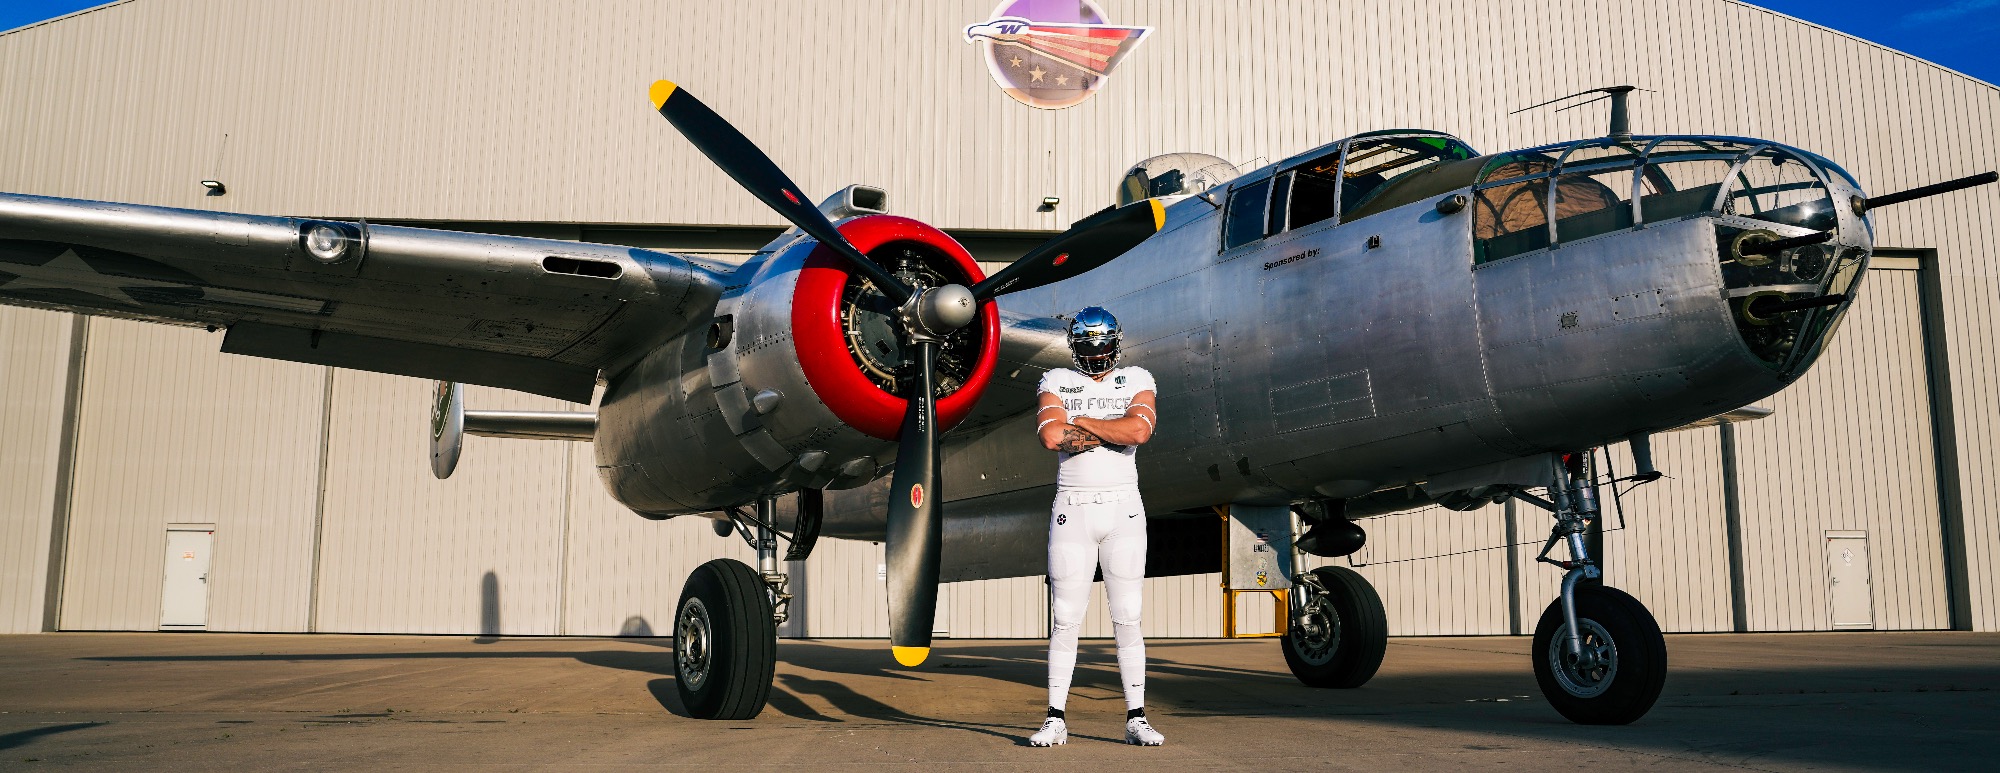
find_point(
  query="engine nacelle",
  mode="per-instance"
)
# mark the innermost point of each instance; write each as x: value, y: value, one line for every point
x: 794, y: 382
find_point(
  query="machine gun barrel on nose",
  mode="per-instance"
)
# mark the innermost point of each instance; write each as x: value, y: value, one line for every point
x: 1928, y: 191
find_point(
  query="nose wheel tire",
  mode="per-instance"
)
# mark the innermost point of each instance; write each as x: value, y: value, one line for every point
x: 1339, y: 640
x: 725, y: 642
x: 1623, y: 664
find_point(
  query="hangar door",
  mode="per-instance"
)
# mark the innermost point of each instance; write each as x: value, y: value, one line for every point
x: 1848, y: 455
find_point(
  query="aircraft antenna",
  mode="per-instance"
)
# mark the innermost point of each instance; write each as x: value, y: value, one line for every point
x: 1621, y: 118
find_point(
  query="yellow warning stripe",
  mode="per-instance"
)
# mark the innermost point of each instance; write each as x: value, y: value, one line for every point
x: 660, y: 91
x: 911, y: 656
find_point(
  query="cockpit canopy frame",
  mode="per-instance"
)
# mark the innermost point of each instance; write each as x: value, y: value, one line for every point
x: 1345, y: 180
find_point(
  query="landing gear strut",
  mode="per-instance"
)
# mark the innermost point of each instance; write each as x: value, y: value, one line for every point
x: 1599, y: 656
x: 726, y: 627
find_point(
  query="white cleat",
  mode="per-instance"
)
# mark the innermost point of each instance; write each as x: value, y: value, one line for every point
x: 1139, y: 733
x: 1053, y: 732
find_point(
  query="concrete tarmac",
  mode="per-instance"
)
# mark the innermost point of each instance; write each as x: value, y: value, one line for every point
x: 1850, y: 701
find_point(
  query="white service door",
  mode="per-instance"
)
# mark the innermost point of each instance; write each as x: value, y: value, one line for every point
x: 1853, y: 604
x: 184, y: 595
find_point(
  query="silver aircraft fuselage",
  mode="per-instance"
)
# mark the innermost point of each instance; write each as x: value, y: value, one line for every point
x: 1339, y: 359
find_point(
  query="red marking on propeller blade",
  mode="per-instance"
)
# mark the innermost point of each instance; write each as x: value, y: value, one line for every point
x: 917, y: 495
x: 789, y: 196
x: 1060, y: 259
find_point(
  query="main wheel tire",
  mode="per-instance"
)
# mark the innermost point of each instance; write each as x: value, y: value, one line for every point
x: 725, y: 642
x: 1629, y: 657
x: 1343, y: 646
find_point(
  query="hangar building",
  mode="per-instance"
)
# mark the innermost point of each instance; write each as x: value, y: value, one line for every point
x: 129, y: 447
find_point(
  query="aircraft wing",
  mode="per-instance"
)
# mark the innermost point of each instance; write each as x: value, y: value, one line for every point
x: 534, y: 315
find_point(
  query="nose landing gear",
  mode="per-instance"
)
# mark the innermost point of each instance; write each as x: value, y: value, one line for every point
x: 1599, y: 656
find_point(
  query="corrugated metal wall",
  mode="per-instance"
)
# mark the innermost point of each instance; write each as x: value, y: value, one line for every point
x: 462, y: 110
x: 1849, y: 449
x: 245, y: 458
x: 34, y: 374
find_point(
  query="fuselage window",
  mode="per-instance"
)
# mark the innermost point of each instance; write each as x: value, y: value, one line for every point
x: 1510, y: 218
x: 1246, y: 222
x: 1593, y: 190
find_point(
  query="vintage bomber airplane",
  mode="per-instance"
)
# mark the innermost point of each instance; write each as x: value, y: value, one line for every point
x: 1383, y: 322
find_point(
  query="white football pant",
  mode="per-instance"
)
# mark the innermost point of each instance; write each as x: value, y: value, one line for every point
x: 1090, y: 530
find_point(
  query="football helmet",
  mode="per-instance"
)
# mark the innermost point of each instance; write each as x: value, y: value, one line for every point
x: 1093, y: 341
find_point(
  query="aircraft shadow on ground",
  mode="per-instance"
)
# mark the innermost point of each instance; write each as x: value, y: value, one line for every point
x: 23, y: 737
x: 1712, y: 705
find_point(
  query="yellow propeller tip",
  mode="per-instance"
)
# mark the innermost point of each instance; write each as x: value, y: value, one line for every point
x: 911, y: 656
x: 660, y: 91
x: 1159, y: 214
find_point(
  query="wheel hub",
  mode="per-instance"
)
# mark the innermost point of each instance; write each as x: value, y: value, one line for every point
x: 1316, y: 634
x: 1589, y: 673
x: 693, y: 644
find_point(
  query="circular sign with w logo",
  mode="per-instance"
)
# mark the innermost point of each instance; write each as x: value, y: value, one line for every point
x: 1052, y: 55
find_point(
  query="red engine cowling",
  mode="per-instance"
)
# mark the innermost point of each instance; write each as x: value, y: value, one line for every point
x: 835, y: 354
x: 794, y: 385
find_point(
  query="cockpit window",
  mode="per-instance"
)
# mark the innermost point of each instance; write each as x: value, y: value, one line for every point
x: 1379, y: 171
x: 1246, y: 222
x: 1315, y: 191
x: 1775, y: 186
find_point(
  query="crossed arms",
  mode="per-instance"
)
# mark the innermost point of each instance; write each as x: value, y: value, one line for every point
x: 1059, y: 432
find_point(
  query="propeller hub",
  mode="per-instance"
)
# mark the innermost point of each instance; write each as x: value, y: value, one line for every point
x: 931, y: 314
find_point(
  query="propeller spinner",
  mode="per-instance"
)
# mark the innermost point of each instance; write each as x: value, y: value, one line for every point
x: 925, y: 316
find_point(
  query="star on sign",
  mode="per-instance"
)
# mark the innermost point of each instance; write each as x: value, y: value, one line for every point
x: 69, y: 272
x: 1062, y: 80
x: 1016, y: 61
x: 1035, y: 75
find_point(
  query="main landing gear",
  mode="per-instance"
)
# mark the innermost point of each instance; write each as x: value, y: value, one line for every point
x: 1599, y: 656
x: 726, y: 626
x: 1337, y: 631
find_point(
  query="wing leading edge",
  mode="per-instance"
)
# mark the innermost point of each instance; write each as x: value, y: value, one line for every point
x: 535, y: 315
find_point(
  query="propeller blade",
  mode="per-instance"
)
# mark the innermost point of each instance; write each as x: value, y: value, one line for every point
x: 748, y: 165
x: 916, y: 521
x: 1092, y: 242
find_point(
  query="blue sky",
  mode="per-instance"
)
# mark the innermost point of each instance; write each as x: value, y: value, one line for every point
x: 1960, y: 34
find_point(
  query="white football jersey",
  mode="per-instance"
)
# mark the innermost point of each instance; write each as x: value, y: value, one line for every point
x: 1105, y: 467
